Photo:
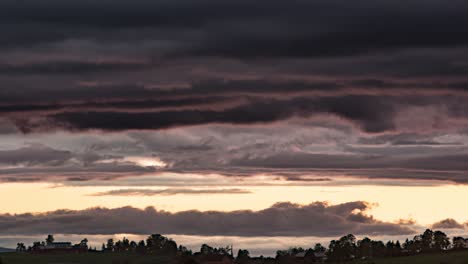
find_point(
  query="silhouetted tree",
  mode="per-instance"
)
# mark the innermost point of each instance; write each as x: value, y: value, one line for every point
x: 459, y: 243
x: 84, y: 243
x: 319, y: 248
x: 141, y: 247
x: 125, y: 244
x: 396, y: 249
x: 441, y: 241
x: 427, y: 239
x: 36, y: 245
x: 133, y: 246
x: 364, y: 248
x: 118, y: 246
x: 292, y: 251
x: 243, y: 256
x: 184, y: 251
x: 398, y: 245
x: 343, y: 249
x: 206, y: 250
x: 378, y: 248
x: 158, y: 244
x: 50, y: 239
x: 110, y: 244
x: 20, y: 247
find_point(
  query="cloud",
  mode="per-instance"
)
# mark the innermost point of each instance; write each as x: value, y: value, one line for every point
x: 37, y: 162
x: 155, y: 67
x: 282, y: 219
x: 34, y: 155
x: 290, y: 152
x: 264, y: 31
x: 381, y: 110
x: 448, y: 223
x: 378, y: 94
x: 169, y: 192
x: 70, y: 67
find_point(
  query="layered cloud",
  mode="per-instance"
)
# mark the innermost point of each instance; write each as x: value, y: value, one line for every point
x: 261, y: 29
x: 298, y: 91
x: 449, y: 223
x: 168, y: 192
x: 282, y: 219
x: 159, y: 65
x: 288, y: 153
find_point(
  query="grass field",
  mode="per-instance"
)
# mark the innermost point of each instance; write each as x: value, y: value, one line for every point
x: 458, y: 257
x: 112, y: 258
x: 87, y: 258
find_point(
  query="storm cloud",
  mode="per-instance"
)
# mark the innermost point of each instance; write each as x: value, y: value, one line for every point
x: 291, y: 90
x: 282, y: 219
x: 159, y: 65
x: 261, y: 29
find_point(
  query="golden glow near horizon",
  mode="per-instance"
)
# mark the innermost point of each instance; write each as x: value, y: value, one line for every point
x: 425, y: 204
x: 147, y: 162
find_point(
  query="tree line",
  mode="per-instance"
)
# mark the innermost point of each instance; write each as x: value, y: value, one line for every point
x: 348, y: 247
x: 340, y: 250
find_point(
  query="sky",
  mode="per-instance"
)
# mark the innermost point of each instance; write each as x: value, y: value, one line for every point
x: 264, y: 124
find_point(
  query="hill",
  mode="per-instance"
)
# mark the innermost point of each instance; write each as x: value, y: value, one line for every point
x: 3, y: 250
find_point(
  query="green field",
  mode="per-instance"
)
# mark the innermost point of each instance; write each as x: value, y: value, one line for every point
x: 113, y: 258
x: 88, y: 258
x: 459, y: 257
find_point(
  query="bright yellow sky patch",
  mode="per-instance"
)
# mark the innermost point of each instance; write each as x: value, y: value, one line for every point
x: 426, y: 205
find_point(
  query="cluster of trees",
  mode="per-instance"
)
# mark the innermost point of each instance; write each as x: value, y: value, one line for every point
x: 154, y: 244
x: 208, y: 250
x: 307, y: 253
x: 348, y: 247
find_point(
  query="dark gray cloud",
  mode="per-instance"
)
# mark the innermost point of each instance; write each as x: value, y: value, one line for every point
x: 293, y: 151
x: 324, y: 161
x: 34, y: 155
x: 448, y: 223
x: 374, y: 96
x: 169, y: 192
x: 37, y: 162
x: 372, y: 117
x: 261, y: 29
x: 373, y: 110
x: 70, y: 67
x: 317, y: 219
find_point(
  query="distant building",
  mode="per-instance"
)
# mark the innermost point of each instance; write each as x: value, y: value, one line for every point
x: 60, y: 247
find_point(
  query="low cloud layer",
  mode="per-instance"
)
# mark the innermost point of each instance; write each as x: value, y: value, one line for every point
x: 449, y: 223
x: 169, y: 192
x: 282, y: 219
x: 290, y: 151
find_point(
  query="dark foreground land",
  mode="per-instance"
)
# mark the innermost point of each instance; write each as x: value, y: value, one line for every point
x: 84, y: 258
x: 456, y: 257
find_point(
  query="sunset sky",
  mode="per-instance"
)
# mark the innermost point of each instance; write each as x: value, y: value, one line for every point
x: 265, y: 124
